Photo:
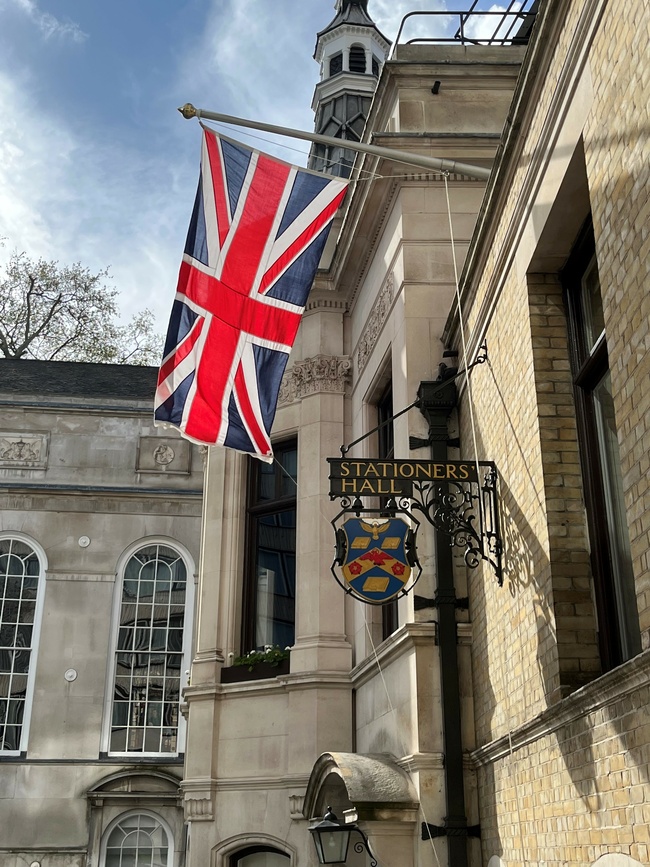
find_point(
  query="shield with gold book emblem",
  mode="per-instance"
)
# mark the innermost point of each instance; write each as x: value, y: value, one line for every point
x: 376, y: 557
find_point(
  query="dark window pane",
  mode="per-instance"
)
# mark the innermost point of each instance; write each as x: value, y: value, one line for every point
x: 14, y: 587
x: 11, y: 738
x: 130, y: 589
x: 27, y: 611
x: 21, y: 661
x: 122, y: 689
x: 175, y: 640
x: 172, y: 688
x: 616, y: 517
x: 125, y: 639
x: 18, y: 686
x: 10, y: 612
x: 8, y: 635
x: 6, y: 660
x: 592, y: 305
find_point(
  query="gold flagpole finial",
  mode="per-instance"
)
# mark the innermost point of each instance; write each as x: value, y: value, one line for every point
x: 188, y: 111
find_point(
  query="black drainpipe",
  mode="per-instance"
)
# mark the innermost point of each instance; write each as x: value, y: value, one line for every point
x: 436, y: 405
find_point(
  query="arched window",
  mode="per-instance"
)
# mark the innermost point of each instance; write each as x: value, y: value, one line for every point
x: 259, y: 856
x: 20, y: 579
x: 357, y: 58
x: 150, y: 649
x: 137, y: 839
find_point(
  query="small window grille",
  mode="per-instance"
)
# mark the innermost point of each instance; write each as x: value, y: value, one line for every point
x: 375, y: 66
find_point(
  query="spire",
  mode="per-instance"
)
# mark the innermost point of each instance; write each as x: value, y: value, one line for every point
x: 353, y: 12
x: 351, y: 52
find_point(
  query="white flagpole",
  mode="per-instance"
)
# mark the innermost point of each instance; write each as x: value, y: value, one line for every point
x: 431, y: 163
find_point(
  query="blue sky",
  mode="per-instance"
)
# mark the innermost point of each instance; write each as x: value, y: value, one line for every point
x: 96, y: 164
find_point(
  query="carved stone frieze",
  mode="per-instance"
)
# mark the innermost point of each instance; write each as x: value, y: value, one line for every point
x: 323, y: 373
x: 23, y: 450
x: 375, y: 323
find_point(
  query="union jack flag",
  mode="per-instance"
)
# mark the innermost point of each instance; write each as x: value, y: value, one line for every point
x: 256, y: 236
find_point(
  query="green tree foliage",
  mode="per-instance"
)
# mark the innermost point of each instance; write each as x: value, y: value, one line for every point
x: 66, y: 313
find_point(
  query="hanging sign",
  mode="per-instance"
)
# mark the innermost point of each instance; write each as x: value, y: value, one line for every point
x: 376, y: 557
x: 368, y: 478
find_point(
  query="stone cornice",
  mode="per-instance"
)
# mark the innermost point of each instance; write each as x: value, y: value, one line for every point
x: 407, y: 637
x: 603, y: 691
x: 253, y: 783
x: 282, y: 683
x: 422, y: 762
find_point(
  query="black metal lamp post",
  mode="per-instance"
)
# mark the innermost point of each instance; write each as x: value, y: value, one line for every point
x: 332, y: 839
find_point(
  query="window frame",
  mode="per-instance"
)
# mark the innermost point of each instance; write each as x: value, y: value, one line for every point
x: 589, y: 366
x: 188, y: 622
x: 254, y: 510
x: 36, y: 637
x: 171, y: 843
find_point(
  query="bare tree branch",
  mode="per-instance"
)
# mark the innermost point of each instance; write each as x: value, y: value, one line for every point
x: 68, y: 313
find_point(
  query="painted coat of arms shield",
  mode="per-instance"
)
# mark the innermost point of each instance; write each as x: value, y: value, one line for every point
x: 376, y: 563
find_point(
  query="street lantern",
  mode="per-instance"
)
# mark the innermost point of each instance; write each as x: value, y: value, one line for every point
x: 332, y: 839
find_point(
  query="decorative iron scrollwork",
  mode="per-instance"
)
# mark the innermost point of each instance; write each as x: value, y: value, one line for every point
x: 467, y: 512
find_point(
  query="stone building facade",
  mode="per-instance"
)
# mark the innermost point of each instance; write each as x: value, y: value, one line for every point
x: 99, y: 546
x: 493, y: 716
x: 551, y: 667
x: 353, y: 718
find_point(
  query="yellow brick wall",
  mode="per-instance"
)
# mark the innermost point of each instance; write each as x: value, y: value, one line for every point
x: 582, y: 791
x: 617, y: 153
x: 575, y: 794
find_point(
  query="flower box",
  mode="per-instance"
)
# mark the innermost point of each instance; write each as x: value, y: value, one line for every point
x: 258, y: 671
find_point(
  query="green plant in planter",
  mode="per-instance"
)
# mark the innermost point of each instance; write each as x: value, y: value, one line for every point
x: 270, y: 654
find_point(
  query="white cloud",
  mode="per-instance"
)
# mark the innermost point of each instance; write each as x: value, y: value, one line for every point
x: 484, y: 27
x: 250, y: 63
x: 388, y: 15
x: 70, y: 196
x: 49, y: 26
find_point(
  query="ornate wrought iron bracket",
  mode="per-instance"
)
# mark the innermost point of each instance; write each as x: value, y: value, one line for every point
x: 458, y: 498
x: 467, y: 512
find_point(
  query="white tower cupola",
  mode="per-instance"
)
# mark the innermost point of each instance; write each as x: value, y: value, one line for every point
x: 351, y: 52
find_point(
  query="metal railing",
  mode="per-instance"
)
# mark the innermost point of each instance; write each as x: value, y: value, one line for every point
x: 476, y: 26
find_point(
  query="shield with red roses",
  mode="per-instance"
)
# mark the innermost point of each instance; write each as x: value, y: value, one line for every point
x: 375, y: 559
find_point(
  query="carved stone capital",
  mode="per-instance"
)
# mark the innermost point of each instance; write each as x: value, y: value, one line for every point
x: 322, y: 373
x: 375, y: 323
